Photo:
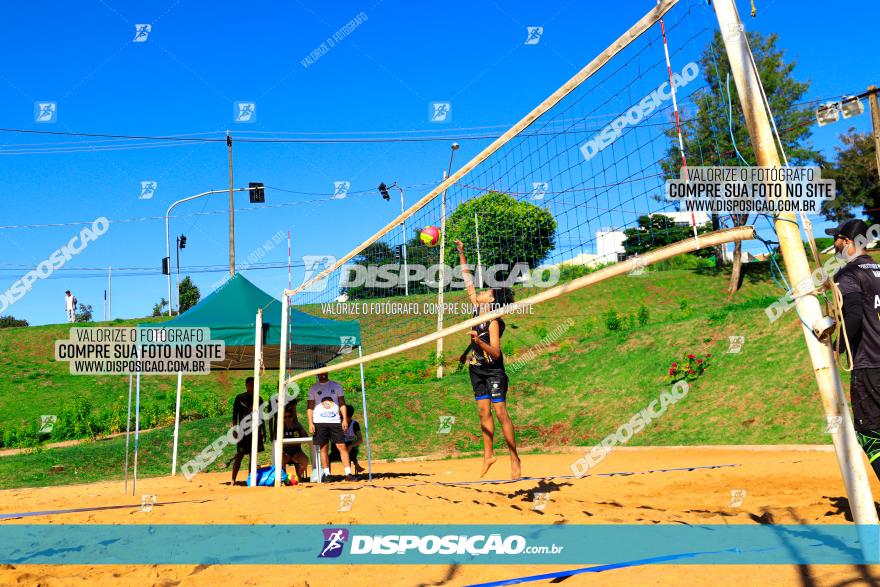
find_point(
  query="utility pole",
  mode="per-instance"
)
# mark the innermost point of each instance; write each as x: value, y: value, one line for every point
x: 231, y: 211
x: 875, y: 122
x: 110, y: 293
x: 446, y: 175
x: 849, y: 454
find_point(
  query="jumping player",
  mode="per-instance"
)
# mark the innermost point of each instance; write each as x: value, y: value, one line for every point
x: 486, y: 367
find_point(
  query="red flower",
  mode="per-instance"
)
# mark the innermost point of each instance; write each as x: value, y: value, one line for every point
x: 699, y: 361
x: 674, y: 365
x: 672, y: 371
x: 708, y: 355
x: 691, y: 371
x: 690, y: 356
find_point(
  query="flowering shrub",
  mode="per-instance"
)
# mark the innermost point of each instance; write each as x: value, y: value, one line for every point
x: 689, y: 368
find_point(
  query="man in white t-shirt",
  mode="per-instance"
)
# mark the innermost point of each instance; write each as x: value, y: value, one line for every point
x: 327, y: 421
x: 70, y: 306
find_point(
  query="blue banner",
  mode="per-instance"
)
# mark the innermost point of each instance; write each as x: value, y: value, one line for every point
x: 99, y: 544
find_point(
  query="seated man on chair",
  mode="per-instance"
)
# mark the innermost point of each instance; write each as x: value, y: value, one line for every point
x: 293, y: 453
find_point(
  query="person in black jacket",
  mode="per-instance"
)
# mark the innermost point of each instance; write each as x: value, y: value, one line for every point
x: 859, y: 285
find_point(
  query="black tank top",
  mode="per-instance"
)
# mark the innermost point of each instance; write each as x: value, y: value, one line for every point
x: 479, y: 358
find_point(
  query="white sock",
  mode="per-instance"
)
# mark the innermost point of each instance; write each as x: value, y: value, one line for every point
x: 348, y: 470
x: 326, y: 470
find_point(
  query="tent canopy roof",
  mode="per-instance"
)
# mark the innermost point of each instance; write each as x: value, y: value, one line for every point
x: 230, y: 312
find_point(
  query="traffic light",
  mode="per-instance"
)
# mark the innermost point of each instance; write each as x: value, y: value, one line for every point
x: 258, y: 194
x: 383, y: 189
x: 166, y: 265
x: 398, y: 251
x: 182, y: 242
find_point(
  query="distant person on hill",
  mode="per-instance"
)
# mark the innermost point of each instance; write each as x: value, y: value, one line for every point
x: 486, y: 368
x: 859, y: 284
x: 241, y: 407
x: 70, y: 306
x: 327, y: 421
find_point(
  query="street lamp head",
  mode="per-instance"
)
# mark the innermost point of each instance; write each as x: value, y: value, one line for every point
x: 455, y: 146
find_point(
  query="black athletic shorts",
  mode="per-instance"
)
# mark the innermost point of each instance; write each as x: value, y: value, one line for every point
x: 865, y: 397
x: 489, y: 383
x: 326, y: 431
x: 244, y: 444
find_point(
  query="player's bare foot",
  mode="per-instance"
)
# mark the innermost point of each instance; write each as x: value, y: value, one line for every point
x: 487, y: 462
x: 515, y: 469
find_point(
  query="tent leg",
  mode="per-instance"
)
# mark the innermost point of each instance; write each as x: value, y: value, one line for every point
x: 137, y: 428
x: 128, y: 427
x: 176, y: 424
x: 256, y: 425
x: 366, y: 422
x: 282, y: 389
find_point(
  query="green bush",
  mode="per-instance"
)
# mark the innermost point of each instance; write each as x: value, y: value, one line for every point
x: 612, y: 321
x: 684, y: 262
x: 644, y: 315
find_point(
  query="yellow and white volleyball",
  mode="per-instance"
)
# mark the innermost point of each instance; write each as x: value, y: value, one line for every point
x: 430, y: 236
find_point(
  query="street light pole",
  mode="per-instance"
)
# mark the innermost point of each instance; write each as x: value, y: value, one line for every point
x: 875, y: 121
x: 168, y: 239
x: 177, y: 254
x: 405, y: 267
x: 231, y: 211
x: 442, y: 265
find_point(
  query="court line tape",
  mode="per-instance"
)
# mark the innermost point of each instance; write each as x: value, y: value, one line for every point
x: 609, y: 567
x: 92, y: 509
x: 505, y: 481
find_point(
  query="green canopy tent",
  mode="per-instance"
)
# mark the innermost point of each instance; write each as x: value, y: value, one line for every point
x: 231, y: 313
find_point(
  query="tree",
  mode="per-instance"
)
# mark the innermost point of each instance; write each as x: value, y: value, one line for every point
x: 84, y: 314
x: 511, y: 231
x: 707, y: 132
x: 159, y: 308
x: 375, y: 255
x: 855, y: 173
x: 187, y: 295
x: 12, y: 322
x: 656, y: 230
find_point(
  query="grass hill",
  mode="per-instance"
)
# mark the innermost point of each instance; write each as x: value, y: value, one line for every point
x: 605, y: 367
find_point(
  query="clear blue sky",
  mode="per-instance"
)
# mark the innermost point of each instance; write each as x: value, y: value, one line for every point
x: 198, y: 61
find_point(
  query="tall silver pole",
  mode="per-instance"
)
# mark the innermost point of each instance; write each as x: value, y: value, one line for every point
x: 231, y: 211
x: 110, y: 293
x: 168, y: 256
x: 849, y: 455
x: 176, y: 424
x: 168, y: 238
x: 442, y: 265
x: 177, y: 263
x: 128, y: 427
x: 405, y: 267
x: 137, y: 429
x: 366, y: 420
x: 479, y: 260
x: 255, y: 402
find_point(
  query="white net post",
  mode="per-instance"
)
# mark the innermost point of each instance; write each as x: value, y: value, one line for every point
x: 282, y: 389
x: 797, y: 267
x: 255, y: 401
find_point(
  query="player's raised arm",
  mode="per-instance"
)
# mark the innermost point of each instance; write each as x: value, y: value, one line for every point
x: 466, y: 273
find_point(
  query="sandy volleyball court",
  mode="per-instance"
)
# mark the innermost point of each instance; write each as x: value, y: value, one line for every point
x: 692, y: 485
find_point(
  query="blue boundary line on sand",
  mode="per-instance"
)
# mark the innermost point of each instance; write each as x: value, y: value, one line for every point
x: 601, y: 568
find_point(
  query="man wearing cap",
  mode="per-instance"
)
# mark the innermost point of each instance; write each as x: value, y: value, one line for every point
x: 859, y: 284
